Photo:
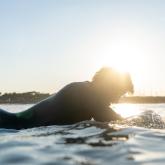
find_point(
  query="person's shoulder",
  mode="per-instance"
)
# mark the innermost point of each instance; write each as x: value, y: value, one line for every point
x: 83, y: 83
x: 75, y: 85
x: 73, y: 89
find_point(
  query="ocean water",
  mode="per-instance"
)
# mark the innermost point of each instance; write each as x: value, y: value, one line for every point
x: 139, y: 139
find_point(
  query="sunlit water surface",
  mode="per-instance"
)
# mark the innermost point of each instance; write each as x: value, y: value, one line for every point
x: 139, y: 139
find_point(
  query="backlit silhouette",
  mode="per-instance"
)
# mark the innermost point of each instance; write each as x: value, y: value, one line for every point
x: 75, y: 102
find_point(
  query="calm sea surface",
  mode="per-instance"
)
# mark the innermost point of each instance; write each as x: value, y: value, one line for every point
x: 139, y: 139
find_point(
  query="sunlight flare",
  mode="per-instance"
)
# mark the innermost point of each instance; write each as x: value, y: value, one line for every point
x: 127, y: 110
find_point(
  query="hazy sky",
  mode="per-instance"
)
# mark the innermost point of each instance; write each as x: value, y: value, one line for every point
x: 45, y: 44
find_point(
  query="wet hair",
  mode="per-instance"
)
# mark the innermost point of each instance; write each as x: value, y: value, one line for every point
x: 112, y: 78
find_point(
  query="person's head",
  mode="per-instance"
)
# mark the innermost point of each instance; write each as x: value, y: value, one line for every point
x: 112, y: 84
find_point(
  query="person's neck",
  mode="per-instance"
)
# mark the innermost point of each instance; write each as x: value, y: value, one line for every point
x: 99, y: 94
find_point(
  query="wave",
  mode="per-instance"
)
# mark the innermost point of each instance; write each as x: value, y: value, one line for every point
x: 147, y: 119
x: 87, y: 142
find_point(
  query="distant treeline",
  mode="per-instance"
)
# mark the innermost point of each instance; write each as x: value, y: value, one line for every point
x: 143, y: 99
x: 33, y: 97
x: 24, y: 98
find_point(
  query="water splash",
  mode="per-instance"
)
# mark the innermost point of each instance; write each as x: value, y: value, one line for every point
x: 147, y: 119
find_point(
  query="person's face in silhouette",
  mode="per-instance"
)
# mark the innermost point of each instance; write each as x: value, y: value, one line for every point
x: 111, y: 84
x: 116, y: 86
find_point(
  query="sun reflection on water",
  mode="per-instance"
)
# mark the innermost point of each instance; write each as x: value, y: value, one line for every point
x: 126, y: 110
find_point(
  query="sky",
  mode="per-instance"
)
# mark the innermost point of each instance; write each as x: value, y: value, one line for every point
x: 46, y: 44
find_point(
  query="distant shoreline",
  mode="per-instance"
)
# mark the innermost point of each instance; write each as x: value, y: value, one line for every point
x: 34, y: 97
x: 143, y: 99
x: 22, y: 98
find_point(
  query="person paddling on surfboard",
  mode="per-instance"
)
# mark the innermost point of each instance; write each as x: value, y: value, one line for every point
x: 76, y: 102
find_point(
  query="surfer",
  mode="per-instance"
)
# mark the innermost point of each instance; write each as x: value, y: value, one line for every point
x: 77, y: 101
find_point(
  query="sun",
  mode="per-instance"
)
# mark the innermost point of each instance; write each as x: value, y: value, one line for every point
x: 122, y: 63
x: 125, y: 56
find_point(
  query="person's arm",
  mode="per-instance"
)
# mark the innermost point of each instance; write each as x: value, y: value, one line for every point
x: 106, y: 115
